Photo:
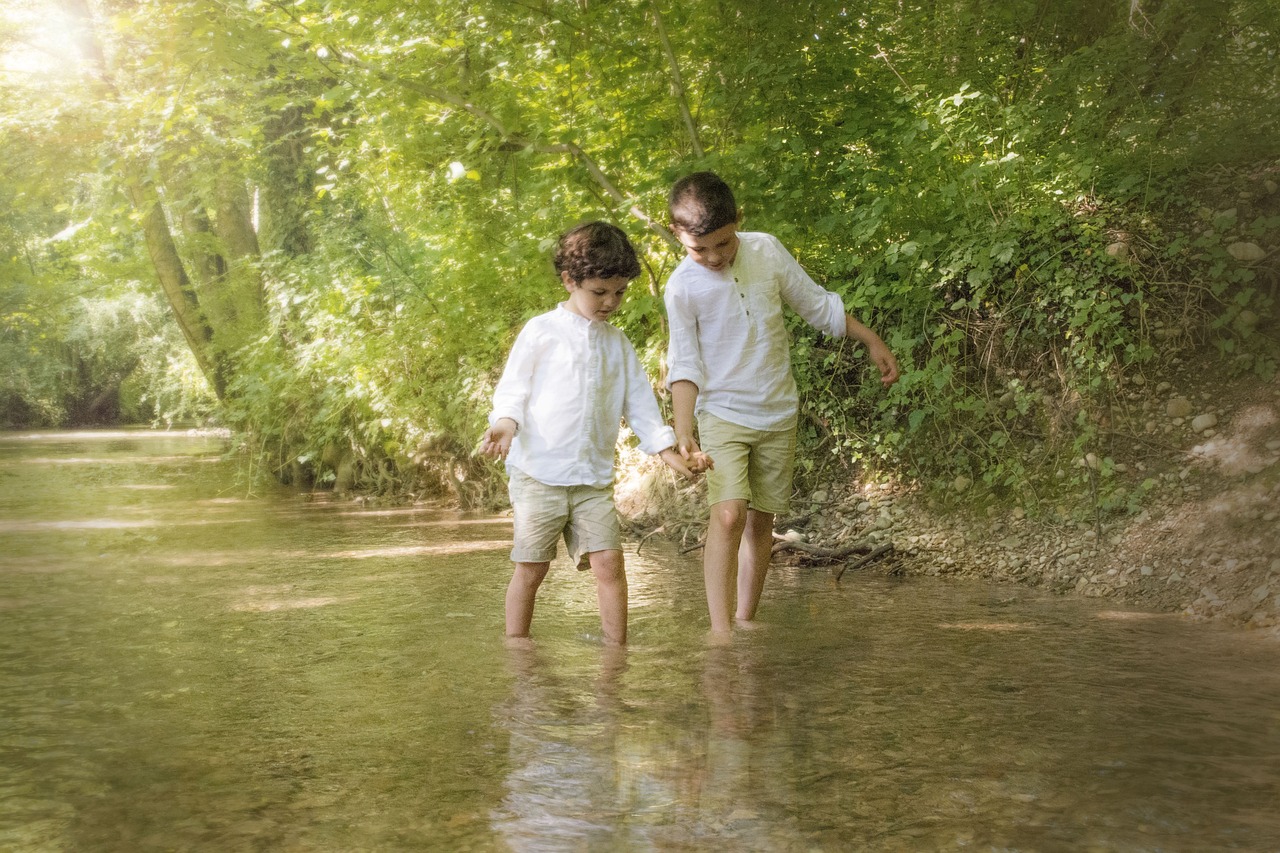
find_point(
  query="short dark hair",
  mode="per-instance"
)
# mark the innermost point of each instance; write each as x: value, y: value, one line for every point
x: 596, y: 250
x: 701, y: 203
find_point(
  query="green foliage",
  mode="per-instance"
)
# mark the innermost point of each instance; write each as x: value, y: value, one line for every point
x: 1030, y: 201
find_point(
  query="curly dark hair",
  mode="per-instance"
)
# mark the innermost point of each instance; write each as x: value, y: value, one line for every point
x: 701, y: 203
x: 596, y: 250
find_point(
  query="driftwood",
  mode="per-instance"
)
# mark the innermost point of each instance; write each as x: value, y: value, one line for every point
x: 830, y: 554
x: 877, y: 553
x: 814, y: 552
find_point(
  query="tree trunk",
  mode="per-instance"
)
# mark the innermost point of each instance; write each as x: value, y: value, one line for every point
x: 175, y: 283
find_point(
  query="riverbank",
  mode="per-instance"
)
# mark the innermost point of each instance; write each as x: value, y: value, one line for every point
x: 1206, y: 542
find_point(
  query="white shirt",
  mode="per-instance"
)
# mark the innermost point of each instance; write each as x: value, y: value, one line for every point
x: 568, y: 382
x: 728, y: 335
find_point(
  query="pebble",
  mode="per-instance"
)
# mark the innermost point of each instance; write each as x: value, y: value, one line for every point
x: 1203, y: 422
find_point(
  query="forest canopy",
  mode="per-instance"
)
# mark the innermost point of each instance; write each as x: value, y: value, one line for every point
x: 321, y: 224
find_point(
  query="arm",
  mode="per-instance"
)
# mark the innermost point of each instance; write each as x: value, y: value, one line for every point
x: 876, y: 348
x: 686, y: 374
x: 684, y: 394
x: 824, y: 310
x: 641, y: 411
x: 510, y: 398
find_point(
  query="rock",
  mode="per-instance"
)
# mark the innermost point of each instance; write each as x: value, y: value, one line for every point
x: 820, y: 497
x: 1178, y: 407
x: 961, y: 483
x: 1246, y: 252
x: 1246, y: 320
x: 1119, y: 251
x: 793, y: 536
x: 1204, y: 422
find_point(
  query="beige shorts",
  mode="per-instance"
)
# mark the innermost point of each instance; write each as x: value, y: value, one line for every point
x: 752, y: 465
x: 583, y: 515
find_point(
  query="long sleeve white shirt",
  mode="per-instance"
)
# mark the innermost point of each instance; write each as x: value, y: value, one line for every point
x: 728, y: 336
x: 568, y: 383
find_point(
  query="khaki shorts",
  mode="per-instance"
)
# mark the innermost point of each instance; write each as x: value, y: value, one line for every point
x: 751, y: 465
x: 584, y: 515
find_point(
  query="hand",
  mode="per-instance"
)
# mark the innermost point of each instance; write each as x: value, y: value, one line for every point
x: 496, y: 441
x: 699, y: 462
x: 687, y: 445
x: 884, y: 360
x: 676, y: 463
x: 692, y: 454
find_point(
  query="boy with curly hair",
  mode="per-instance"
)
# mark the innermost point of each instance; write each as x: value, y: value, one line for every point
x: 569, y: 380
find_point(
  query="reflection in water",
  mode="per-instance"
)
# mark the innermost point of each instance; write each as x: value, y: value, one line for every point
x: 232, y: 672
x: 563, y: 782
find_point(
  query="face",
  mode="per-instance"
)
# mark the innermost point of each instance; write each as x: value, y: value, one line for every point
x: 716, y: 250
x: 595, y: 298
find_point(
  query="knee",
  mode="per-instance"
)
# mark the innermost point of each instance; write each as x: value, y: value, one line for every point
x: 608, y: 567
x: 529, y: 575
x: 730, y: 515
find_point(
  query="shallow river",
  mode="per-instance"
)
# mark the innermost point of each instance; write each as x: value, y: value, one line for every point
x: 185, y: 665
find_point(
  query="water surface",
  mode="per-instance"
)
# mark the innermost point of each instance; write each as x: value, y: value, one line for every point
x: 187, y: 665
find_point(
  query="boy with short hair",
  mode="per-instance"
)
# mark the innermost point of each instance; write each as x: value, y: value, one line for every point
x: 730, y: 363
x: 570, y: 378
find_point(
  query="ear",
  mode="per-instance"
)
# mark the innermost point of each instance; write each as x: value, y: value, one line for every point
x: 569, y: 284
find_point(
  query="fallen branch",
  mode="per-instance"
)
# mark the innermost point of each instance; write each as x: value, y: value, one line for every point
x: 830, y: 554
x: 882, y: 551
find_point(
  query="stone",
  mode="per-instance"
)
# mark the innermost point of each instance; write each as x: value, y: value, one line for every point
x: 1203, y: 422
x: 961, y: 483
x: 1178, y: 407
x: 1246, y: 252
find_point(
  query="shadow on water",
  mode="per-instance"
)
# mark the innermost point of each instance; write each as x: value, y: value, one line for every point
x: 185, y: 666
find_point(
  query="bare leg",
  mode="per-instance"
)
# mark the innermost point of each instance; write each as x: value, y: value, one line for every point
x: 520, y: 594
x: 720, y: 560
x: 753, y: 562
x: 611, y: 593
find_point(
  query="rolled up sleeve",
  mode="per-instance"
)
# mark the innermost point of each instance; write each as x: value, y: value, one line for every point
x: 640, y: 408
x: 819, y: 307
x: 684, y: 357
x: 511, y: 397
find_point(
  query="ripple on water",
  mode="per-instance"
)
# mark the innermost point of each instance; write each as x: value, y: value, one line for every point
x: 228, y: 672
